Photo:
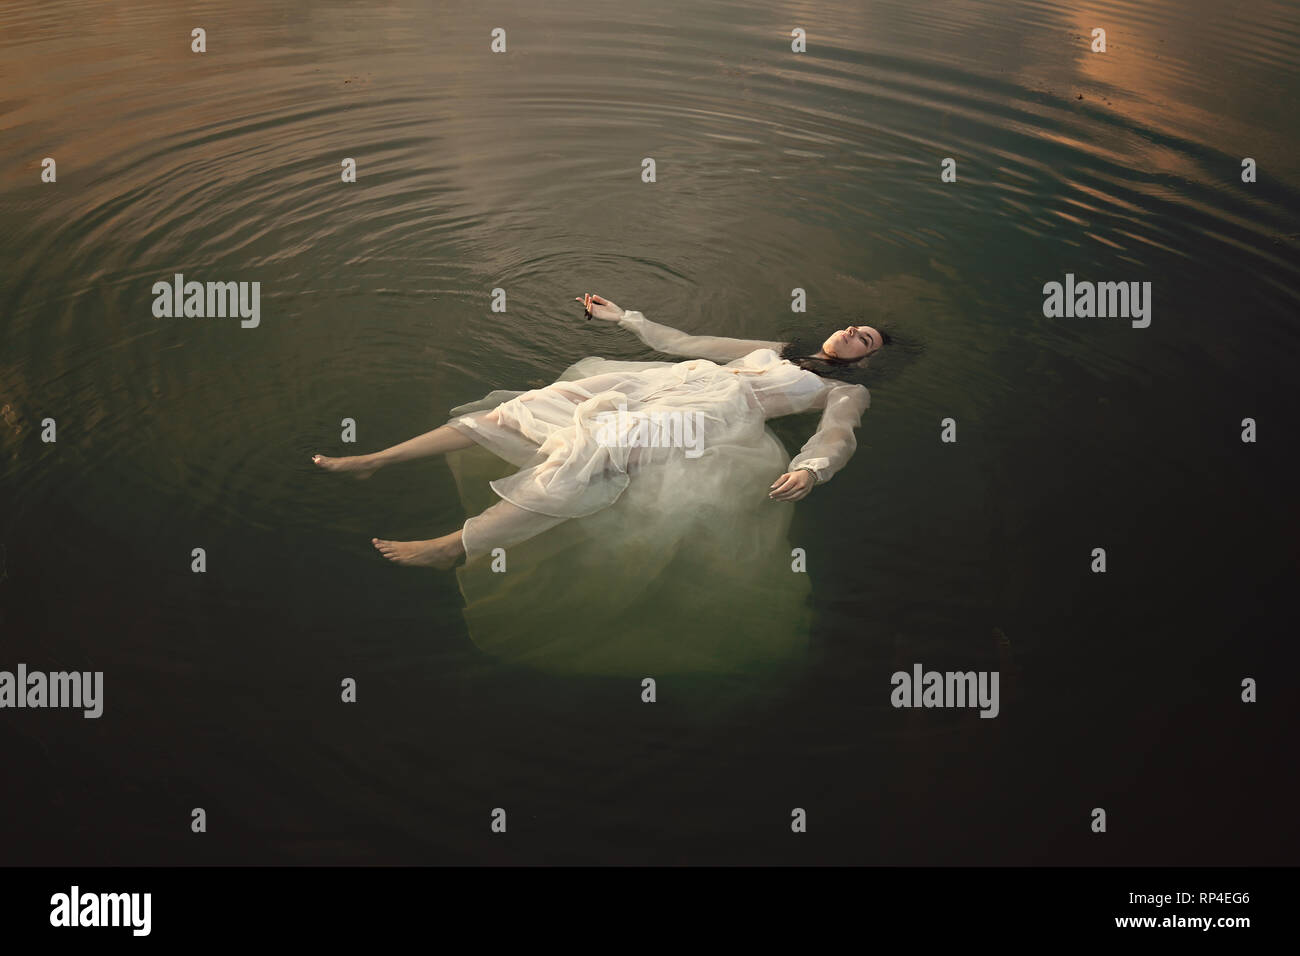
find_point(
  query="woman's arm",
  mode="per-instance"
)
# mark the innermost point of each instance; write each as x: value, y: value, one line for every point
x: 664, y: 338
x: 672, y: 341
x: 830, y: 448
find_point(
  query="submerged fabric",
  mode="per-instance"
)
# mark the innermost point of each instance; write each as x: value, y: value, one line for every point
x: 629, y: 501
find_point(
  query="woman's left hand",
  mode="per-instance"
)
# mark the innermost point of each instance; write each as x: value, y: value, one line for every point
x: 792, y: 486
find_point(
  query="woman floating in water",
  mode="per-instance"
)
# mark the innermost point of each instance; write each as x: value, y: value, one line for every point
x: 580, y: 442
x: 666, y: 546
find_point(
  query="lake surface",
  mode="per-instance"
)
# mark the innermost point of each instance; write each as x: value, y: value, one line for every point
x: 774, y: 171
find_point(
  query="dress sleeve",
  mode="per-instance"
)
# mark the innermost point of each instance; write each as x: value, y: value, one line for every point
x: 670, y: 340
x: 834, y: 443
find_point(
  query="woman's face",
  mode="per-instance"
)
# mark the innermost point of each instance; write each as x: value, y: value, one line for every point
x: 852, y: 343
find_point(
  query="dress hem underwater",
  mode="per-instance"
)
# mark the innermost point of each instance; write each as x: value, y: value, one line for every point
x: 684, y: 565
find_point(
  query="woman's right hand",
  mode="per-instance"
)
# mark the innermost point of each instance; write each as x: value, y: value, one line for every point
x: 600, y: 308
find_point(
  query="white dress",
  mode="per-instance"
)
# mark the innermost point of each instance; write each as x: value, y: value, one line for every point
x: 631, y: 508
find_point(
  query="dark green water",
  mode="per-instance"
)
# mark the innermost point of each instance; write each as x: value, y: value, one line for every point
x: 775, y: 170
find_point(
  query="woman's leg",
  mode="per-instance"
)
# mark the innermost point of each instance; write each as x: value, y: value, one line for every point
x: 445, y: 438
x: 500, y: 526
x: 441, y: 440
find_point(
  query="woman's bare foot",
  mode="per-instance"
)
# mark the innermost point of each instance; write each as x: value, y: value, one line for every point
x: 438, y: 553
x: 359, y: 466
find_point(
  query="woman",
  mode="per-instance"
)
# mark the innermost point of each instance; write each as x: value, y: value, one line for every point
x: 574, y: 467
x: 663, y: 551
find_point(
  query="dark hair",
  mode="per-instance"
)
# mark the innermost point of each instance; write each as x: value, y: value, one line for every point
x: 800, y: 352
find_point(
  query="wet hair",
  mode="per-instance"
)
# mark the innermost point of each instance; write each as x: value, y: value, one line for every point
x: 800, y: 350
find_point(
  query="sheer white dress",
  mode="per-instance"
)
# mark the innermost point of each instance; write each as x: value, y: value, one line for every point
x: 631, y: 508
